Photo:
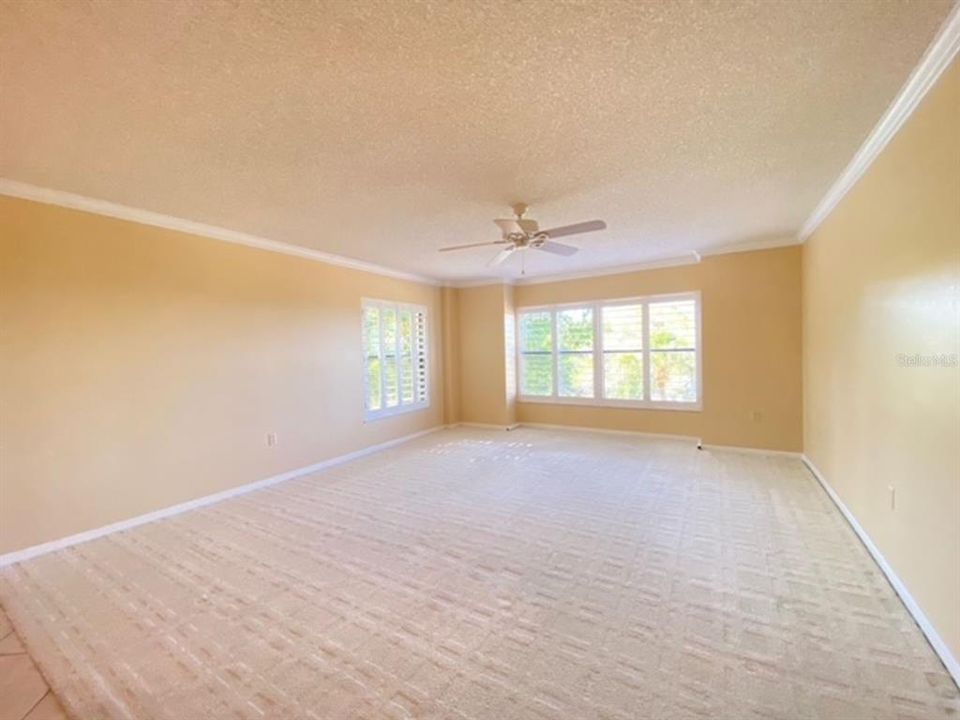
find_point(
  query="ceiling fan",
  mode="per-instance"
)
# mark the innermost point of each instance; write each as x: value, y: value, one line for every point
x: 521, y: 234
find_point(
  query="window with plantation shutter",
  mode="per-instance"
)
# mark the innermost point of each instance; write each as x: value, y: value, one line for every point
x: 575, y: 352
x: 636, y: 352
x: 673, y: 351
x: 396, y: 361
x: 536, y: 353
x: 623, y: 360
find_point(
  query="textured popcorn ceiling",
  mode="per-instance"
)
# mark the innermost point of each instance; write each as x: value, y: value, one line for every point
x: 385, y: 130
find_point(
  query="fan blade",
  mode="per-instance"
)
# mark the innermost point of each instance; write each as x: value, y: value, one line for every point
x: 558, y: 248
x: 501, y: 256
x: 471, y: 245
x: 576, y: 229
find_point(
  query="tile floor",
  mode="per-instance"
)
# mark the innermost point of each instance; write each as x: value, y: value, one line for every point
x: 24, y: 694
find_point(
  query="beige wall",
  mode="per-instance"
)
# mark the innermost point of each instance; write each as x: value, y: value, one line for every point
x: 143, y: 367
x: 450, y: 335
x: 484, y: 387
x: 751, y: 349
x: 881, y: 277
x: 510, y: 355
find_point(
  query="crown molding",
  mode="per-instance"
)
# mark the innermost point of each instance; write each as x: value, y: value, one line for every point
x: 692, y: 257
x: 25, y: 191
x: 480, y: 282
x: 749, y: 246
x: 47, y: 196
x: 936, y: 59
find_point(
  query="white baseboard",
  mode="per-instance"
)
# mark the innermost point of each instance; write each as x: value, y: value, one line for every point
x: 933, y: 637
x: 584, y: 428
x: 483, y: 426
x: 752, y: 451
x: 639, y: 433
x: 86, y: 535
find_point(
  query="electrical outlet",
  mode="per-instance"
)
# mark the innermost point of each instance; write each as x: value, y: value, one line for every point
x: 271, y: 439
x: 893, y: 496
x: 756, y: 415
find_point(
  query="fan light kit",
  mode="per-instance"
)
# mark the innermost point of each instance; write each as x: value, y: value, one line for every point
x: 518, y: 233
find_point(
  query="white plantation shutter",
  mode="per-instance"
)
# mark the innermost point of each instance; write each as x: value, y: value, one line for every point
x: 536, y: 353
x: 391, y: 340
x: 396, y: 361
x: 641, y: 352
x: 623, y: 359
x: 407, y: 393
x: 575, y: 340
x: 421, y: 359
x: 673, y: 351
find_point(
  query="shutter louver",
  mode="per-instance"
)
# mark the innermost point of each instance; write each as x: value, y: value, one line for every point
x: 371, y: 352
x: 575, y: 353
x: 422, y: 360
x: 396, y: 365
x: 637, y: 352
x: 536, y: 353
x: 623, y: 372
x: 673, y: 351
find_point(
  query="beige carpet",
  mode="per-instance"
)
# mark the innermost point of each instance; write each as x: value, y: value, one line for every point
x: 483, y: 574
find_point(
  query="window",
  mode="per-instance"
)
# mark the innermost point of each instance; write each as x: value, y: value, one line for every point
x: 623, y: 358
x: 673, y: 351
x: 575, y: 352
x: 536, y: 353
x: 641, y: 352
x: 395, y: 358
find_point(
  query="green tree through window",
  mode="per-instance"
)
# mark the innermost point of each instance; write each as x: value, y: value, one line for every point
x: 646, y: 351
x: 536, y: 354
x: 575, y: 352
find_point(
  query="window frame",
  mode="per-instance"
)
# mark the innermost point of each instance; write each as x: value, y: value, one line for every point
x: 598, y: 400
x: 401, y: 407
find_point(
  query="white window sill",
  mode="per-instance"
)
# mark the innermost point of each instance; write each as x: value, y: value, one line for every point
x: 628, y: 404
x: 374, y: 415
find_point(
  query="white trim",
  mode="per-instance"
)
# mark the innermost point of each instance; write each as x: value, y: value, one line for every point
x: 607, y: 403
x: 54, y: 545
x: 690, y: 258
x: 939, y: 646
x: 597, y: 308
x: 598, y: 372
x: 554, y: 358
x: 483, y: 426
x: 748, y: 246
x: 14, y: 188
x: 60, y: 198
x: 480, y: 282
x: 401, y: 407
x: 936, y: 59
x: 586, y: 428
x: 608, y: 431
x: 751, y: 450
x: 659, y: 297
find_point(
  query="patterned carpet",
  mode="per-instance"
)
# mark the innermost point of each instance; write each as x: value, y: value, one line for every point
x: 483, y: 574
